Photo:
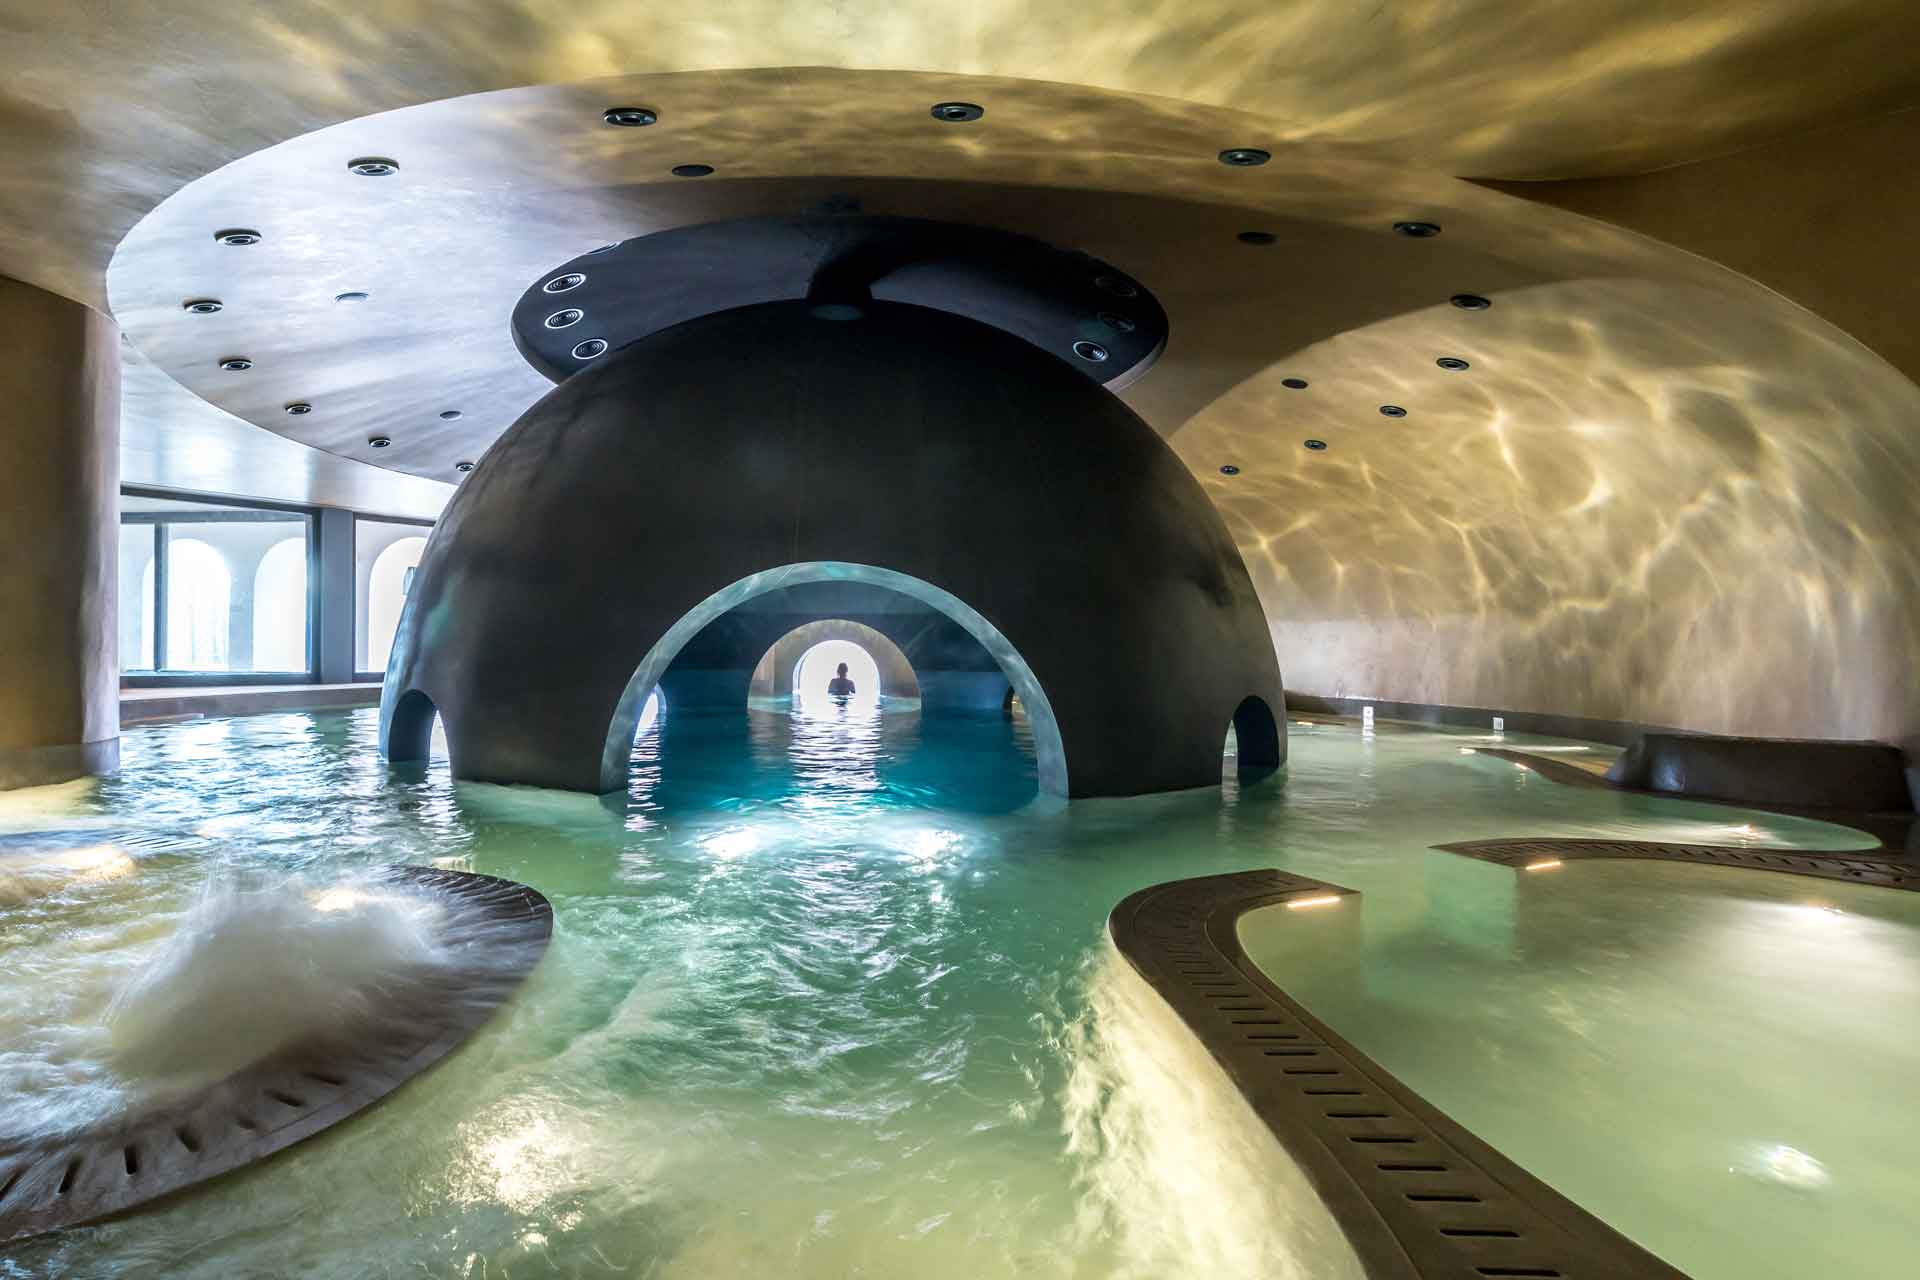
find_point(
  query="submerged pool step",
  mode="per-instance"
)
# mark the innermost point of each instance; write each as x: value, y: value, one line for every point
x: 1418, y: 1196
x: 1543, y: 852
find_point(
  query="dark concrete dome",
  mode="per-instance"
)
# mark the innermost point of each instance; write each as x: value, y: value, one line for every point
x: 765, y: 446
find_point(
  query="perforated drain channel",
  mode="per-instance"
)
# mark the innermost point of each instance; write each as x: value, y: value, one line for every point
x: 291, y: 1096
x: 1416, y: 1194
x: 1532, y: 851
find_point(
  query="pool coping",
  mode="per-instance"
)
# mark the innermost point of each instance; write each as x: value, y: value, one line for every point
x: 1417, y: 1195
x: 126, y: 1162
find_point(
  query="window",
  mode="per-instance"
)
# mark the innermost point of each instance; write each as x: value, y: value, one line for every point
x: 385, y: 555
x: 211, y: 587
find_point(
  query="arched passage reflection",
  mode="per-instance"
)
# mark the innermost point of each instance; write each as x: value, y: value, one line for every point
x: 1049, y: 750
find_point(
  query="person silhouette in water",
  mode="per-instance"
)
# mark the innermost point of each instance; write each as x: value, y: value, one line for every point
x: 840, y: 686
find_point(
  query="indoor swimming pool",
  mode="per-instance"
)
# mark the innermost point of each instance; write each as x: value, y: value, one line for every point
x: 829, y: 995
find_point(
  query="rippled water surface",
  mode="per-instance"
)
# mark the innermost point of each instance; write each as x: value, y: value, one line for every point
x: 828, y: 996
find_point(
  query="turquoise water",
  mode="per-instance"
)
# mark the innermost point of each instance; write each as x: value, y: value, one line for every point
x: 828, y: 996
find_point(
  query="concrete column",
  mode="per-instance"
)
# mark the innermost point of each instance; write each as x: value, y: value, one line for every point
x: 59, y: 538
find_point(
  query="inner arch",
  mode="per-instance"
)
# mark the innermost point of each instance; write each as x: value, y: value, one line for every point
x: 773, y: 675
x: 1049, y: 751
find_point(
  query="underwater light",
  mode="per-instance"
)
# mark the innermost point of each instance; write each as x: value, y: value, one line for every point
x: 337, y: 900
x: 1545, y: 864
x: 1318, y: 900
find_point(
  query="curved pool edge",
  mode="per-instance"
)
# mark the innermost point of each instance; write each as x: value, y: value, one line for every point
x: 1531, y: 853
x: 1417, y: 1195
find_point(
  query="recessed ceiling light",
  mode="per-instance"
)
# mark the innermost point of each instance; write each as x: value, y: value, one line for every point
x: 236, y: 364
x: 1318, y: 446
x: 957, y: 112
x: 692, y: 170
x: 373, y: 167
x: 1117, y: 286
x: 352, y: 295
x: 449, y: 415
x: 1470, y: 302
x: 1229, y: 470
x: 1244, y: 157
x: 1418, y: 230
x: 463, y: 467
x: 1453, y: 363
x: 1117, y: 323
x: 1294, y: 384
x: 1256, y: 237
x: 561, y: 319
x: 299, y: 408
x: 238, y: 237
x: 590, y: 348
x: 1392, y: 411
x: 1090, y: 351
x: 560, y: 284
x: 379, y: 442
x: 630, y: 117
x: 202, y: 306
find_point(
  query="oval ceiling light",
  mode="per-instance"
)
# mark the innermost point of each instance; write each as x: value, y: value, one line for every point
x: 692, y: 170
x: 561, y: 319
x: 1392, y: 411
x: 1470, y: 302
x: 449, y: 415
x: 379, y: 442
x: 463, y: 467
x: 1229, y: 470
x: 1317, y: 446
x: 957, y: 112
x: 1418, y: 230
x: 1117, y: 323
x: 590, y: 348
x: 630, y: 117
x: 1090, y: 351
x: 1452, y: 364
x: 560, y: 284
x: 299, y: 409
x: 236, y: 364
x: 352, y: 295
x: 1117, y: 286
x: 1294, y: 384
x: 1256, y: 237
x: 238, y: 237
x: 202, y: 306
x: 373, y: 167
x: 1244, y: 157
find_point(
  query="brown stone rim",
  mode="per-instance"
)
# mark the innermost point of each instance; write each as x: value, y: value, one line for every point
x: 1416, y: 1194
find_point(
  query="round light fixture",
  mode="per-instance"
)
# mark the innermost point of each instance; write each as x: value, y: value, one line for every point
x: 1418, y: 230
x: 449, y: 415
x: 236, y: 364
x: 560, y: 284
x: 1317, y: 446
x: 1256, y: 237
x: 202, y: 306
x: 630, y: 117
x: 1392, y: 411
x: 1244, y: 157
x: 463, y: 467
x: 1229, y: 470
x: 590, y: 348
x: 957, y: 112
x: 1294, y: 384
x: 1118, y: 287
x: 1117, y: 323
x: 1090, y: 351
x: 352, y: 295
x: 561, y: 319
x: 379, y: 442
x: 1470, y: 302
x: 692, y: 170
x: 1452, y: 363
x: 373, y: 167
x: 238, y: 237
x: 299, y: 409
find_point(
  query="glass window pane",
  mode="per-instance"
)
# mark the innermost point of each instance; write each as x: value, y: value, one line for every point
x: 136, y: 597
x: 385, y: 554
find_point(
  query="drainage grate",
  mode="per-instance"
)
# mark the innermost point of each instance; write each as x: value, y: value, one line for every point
x: 1855, y: 869
x: 284, y: 1099
x: 1417, y: 1195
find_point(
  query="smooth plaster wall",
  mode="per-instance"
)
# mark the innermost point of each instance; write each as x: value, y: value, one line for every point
x: 59, y: 495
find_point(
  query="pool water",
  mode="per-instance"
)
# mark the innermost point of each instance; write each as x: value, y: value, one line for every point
x: 829, y: 995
